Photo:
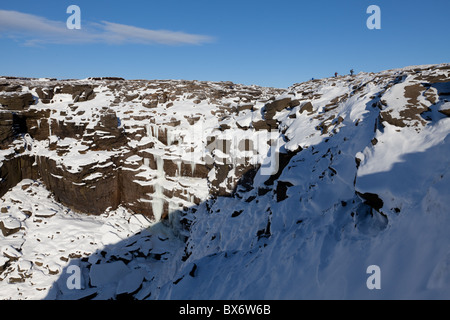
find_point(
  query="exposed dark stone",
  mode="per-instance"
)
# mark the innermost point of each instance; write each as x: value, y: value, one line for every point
x: 7, y: 87
x: 283, y: 160
x: 263, y: 191
x: 45, y: 94
x: 265, y: 124
x: 107, y: 78
x: 276, y: 106
x: 294, y: 103
x: 281, y: 190
x: 236, y: 213
x: 246, y: 178
x: 264, y: 233
x: 7, y: 231
x: 308, y: 107
x: 16, y: 101
x: 372, y: 199
x: 79, y: 92
x: 90, y: 196
x: 15, y: 170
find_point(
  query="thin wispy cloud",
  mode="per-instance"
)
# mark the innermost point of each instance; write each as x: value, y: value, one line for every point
x: 36, y: 30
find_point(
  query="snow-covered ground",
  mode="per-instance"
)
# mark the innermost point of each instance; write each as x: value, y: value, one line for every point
x: 366, y: 182
x: 51, y: 236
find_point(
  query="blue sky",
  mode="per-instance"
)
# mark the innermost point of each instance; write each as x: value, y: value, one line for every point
x: 269, y: 43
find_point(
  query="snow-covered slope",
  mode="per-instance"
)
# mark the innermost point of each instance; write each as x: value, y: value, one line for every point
x: 205, y: 190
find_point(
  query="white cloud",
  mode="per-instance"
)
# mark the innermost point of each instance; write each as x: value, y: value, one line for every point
x: 124, y: 33
x: 34, y: 30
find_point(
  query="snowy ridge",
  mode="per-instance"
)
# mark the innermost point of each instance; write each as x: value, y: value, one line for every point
x: 184, y: 210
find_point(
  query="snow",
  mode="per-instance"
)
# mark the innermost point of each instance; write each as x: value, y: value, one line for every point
x: 93, y: 176
x: 44, y: 213
x: 313, y: 239
x: 10, y: 222
x: 3, y: 261
x: 54, y: 238
x: 10, y: 252
x: 130, y: 282
x: 103, y: 274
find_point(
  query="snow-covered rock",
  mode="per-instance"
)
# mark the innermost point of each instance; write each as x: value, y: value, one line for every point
x: 213, y: 190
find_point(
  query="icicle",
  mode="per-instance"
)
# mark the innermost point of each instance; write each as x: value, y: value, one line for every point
x: 179, y: 168
x: 193, y: 167
x: 158, y: 203
x: 169, y: 137
x: 148, y: 128
x: 160, y: 166
x: 172, y: 206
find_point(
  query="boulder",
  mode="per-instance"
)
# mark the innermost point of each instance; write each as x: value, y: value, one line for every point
x: 276, y: 106
x: 9, y: 226
x: 45, y: 94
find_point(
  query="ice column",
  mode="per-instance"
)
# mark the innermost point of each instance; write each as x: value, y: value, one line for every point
x: 158, y: 201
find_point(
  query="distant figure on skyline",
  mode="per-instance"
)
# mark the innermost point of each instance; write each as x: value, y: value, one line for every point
x: 351, y: 72
x: 335, y: 74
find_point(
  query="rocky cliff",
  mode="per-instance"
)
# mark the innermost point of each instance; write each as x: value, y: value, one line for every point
x: 99, y: 143
x: 313, y: 176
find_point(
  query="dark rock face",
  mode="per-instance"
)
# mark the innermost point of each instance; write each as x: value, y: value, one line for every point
x: 37, y: 123
x: 7, y: 87
x: 16, y: 101
x: 107, y: 135
x: 78, y: 190
x: 15, y: 170
x: 91, y: 196
x: 372, y: 200
x: 45, y: 94
x: 79, y: 93
x: 132, y: 194
x: 6, y: 129
x: 32, y: 122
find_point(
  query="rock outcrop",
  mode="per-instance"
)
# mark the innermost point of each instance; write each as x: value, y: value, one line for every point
x: 111, y: 142
x: 187, y: 181
x: 160, y: 146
